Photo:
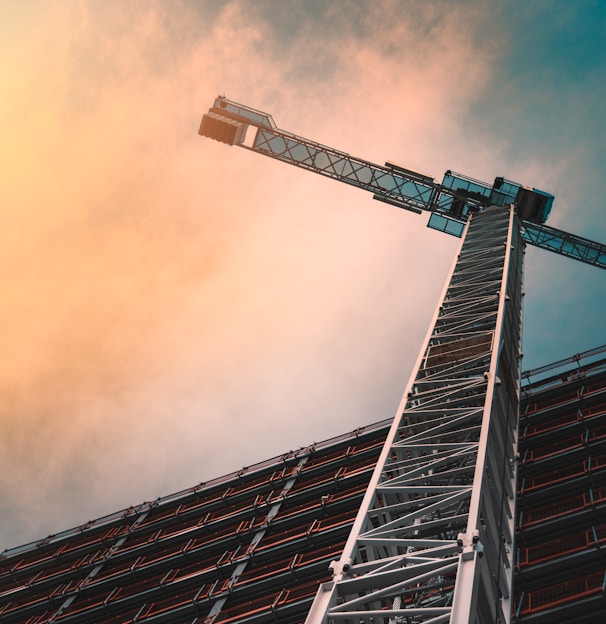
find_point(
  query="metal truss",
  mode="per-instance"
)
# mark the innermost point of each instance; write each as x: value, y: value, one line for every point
x: 566, y: 244
x: 450, y: 203
x: 415, y: 192
x: 388, y: 183
x: 432, y: 542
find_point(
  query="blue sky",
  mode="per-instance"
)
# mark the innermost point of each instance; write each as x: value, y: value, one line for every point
x: 175, y: 308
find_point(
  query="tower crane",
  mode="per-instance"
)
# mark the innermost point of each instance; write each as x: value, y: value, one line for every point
x: 433, y: 539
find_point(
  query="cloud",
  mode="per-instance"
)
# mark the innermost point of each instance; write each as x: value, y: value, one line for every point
x: 174, y: 308
x: 162, y: 298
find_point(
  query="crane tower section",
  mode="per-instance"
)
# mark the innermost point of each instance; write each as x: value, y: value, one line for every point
x: 433, y: 539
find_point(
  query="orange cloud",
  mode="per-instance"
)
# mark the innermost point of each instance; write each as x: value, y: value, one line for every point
x: 171, y: 305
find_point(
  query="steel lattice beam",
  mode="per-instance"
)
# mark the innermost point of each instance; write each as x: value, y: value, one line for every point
x: 433, y: 539
x: 450, y: 203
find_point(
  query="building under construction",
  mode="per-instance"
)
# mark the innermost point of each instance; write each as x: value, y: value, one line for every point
x: 482, y: 501
x: 255, y: 545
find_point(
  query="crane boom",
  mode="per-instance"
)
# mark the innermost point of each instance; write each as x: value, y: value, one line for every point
x: 565, y: 244
x: 450, y: 202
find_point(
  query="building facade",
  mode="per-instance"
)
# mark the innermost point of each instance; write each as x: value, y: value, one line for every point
x: 561, y: 504
x: 255, y: 545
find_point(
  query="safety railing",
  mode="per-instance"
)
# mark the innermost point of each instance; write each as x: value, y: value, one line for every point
x: 548, y: 403
x: 562, y: 546
x: 559, y: 474
x: 272, y: 603
x: 574, y: 590
x: 562, y: 507
x: 551, y: 424
x: 556, y: 447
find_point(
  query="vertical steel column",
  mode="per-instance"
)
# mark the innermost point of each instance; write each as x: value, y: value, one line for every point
x: 242, y: 563
x: 71, y: 596
x: 432, y: 541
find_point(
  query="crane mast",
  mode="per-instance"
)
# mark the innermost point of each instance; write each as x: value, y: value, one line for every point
x: 433, y: 539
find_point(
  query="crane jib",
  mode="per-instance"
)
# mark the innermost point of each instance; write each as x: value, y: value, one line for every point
x: 450, y: 202
x: 565, y: 244
x: 340, y: 165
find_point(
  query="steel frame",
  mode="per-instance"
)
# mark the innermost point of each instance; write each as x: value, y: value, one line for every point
x: 565, y: 244
x: 405, y: 189
x: 257, y: 537
x: 402, y: 190
x: 433, y: 540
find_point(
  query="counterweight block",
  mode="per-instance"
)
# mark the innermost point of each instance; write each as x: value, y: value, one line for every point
x: 223, y: 129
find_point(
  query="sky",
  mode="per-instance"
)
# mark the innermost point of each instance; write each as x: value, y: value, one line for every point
x: 173, y: 309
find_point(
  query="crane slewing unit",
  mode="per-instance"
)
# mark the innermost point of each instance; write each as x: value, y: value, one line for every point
x: 433, y: 539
